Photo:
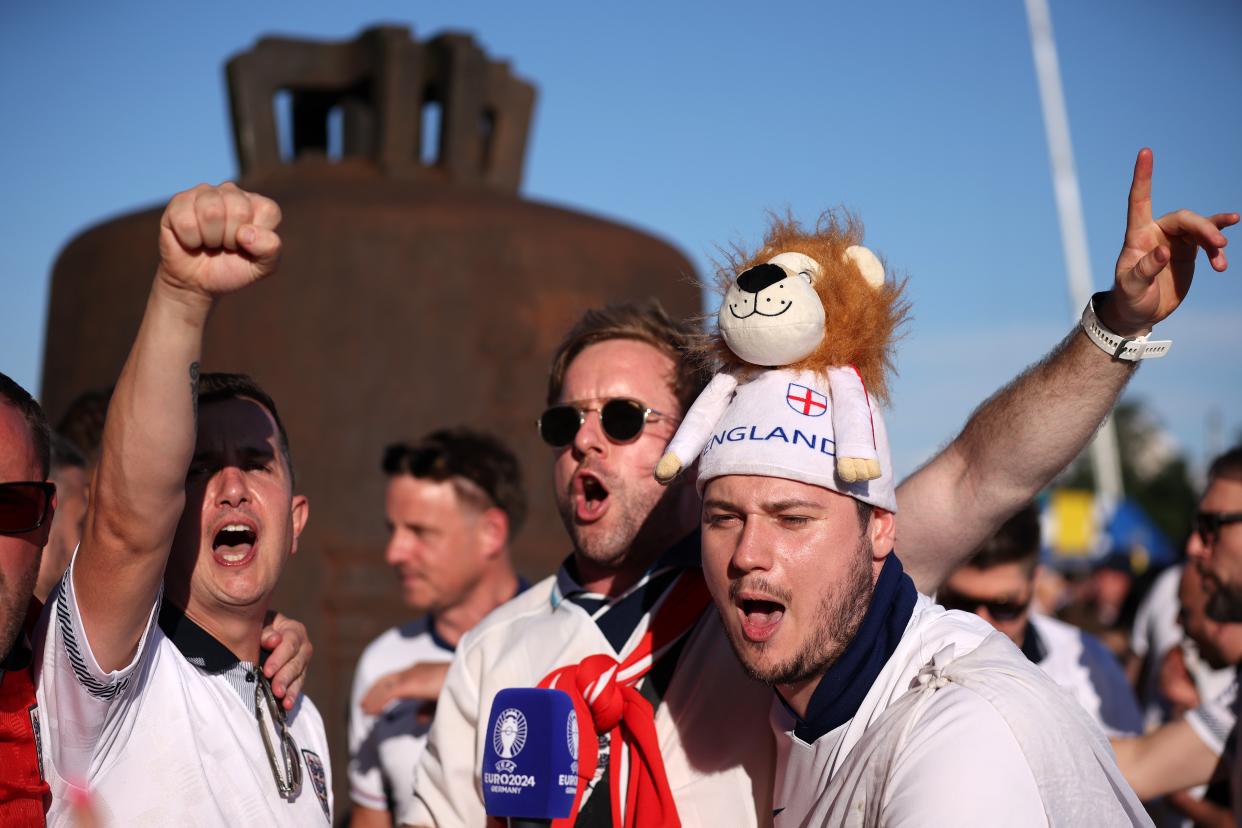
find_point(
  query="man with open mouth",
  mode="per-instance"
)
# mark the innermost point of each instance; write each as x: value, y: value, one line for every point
x: 150, y: 674
x: 619, y: 384
x: 889, y: 709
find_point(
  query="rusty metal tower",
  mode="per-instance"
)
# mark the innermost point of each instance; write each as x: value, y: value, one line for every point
x: 418, y: 290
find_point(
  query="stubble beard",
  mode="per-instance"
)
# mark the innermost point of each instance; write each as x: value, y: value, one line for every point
x: 1224, y: 602
x: 14, y: 599
x: 840, y: 615
x: 633, y: 516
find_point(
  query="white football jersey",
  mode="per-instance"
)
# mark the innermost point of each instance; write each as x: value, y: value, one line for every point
x: 384, y: 749
x: 172, y: 738
x: 938, y: 740
x: 1081, y: 663
x: 711, y: 722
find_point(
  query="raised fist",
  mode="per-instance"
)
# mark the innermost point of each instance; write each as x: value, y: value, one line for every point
x: 216, y: 240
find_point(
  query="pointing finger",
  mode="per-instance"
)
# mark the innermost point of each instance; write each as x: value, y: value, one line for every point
x: 1139, y: 210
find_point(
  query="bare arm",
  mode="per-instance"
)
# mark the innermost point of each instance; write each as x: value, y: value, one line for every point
x: 363, y: 817
x: 421, y: 682
x: 1202, y: 813
x: 1170, y: 758
x: 1017, y: 441
x: 212, y: 241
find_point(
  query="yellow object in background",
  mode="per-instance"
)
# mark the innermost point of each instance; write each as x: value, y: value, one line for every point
x: 1072, y: 527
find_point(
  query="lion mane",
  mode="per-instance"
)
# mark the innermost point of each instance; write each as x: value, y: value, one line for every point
x: 860, y: 321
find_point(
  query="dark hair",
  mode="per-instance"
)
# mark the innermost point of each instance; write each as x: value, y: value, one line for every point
x: 1017, y: 541
x: 223, y: 386
x: 40, y: 434
x: 644, y: 322
x: 864, y: 514
x: 1228, y: 466
x: 481, y: 468
x: 65, y: 454
x: 83, y: 422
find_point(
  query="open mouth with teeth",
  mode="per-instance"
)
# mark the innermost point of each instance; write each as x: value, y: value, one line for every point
x: 760, y: 617
x: 590, y: 497
x: 233, y: 544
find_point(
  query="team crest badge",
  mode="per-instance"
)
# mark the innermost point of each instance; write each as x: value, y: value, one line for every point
x: 805, y: 400
x: 319, y: 780
x: 38, y: 738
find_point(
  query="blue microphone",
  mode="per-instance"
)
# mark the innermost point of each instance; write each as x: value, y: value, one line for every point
x: 530, y: 765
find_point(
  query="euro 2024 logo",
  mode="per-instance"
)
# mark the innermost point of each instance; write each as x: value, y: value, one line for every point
x: 508, y: 738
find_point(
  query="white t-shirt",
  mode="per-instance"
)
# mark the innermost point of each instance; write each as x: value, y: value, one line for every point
x: 163, y: 741
x: 1215, y: 719
x: 1154, y: 633
x: 384, y: 749
x: 711, y: 723
x: 959, y: 728
x: 1081, y: 663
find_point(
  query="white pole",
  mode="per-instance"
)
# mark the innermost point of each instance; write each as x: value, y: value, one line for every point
x: 1104, y: 454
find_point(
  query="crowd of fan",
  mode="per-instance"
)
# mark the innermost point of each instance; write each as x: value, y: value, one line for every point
x: 180, y: 500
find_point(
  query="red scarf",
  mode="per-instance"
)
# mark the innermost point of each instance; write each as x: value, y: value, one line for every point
x: 606, y: 702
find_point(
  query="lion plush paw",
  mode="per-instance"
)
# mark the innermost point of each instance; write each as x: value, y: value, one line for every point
x: 853, y: 469
x: 667, y: 468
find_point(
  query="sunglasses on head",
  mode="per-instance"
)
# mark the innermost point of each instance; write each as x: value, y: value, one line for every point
x: 24, y: 506
x: 998, y: 610
x: 1208, y: 524
x: 622, y: 420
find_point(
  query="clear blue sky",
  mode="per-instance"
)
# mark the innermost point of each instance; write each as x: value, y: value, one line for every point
x: 690, y: 119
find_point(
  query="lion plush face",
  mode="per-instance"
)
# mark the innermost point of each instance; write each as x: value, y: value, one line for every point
x: 807, y: 300
x: 771, y: 314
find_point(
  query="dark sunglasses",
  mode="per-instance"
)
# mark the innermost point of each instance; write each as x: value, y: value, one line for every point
x: 622, y: 420
x: 999, y: 610
x: 1208, y: 524
x: 24, y: 506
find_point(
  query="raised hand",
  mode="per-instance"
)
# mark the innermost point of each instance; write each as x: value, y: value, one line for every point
x: 216, y: 240
x: 1157, y: 260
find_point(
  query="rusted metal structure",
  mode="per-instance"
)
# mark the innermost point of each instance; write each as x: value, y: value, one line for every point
x: 417, y: 290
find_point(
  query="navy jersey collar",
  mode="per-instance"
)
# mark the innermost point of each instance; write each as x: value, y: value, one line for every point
x: 845, y: 684
x: 1033, y: 646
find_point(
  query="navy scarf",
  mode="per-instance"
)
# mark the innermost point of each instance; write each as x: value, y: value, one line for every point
x: 847, y: 681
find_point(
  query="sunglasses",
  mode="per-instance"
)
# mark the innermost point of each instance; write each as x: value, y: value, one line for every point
x: 999, y: 610
x: 1208, y: 524
x: 288, y: 782
x: 622, y: 420
x: 24, y: 506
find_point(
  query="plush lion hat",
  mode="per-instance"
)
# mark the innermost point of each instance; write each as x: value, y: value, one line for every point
x: 769, y: 316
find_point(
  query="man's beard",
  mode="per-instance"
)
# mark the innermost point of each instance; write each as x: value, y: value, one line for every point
x: 14, y: 601
x: 839, y: 614
x: 633, y: 517
x: 1224, y: 601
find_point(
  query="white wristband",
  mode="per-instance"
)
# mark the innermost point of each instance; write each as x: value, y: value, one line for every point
x: 1130, y: 350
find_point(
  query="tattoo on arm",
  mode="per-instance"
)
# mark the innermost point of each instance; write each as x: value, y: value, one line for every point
x: 194, y: 373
